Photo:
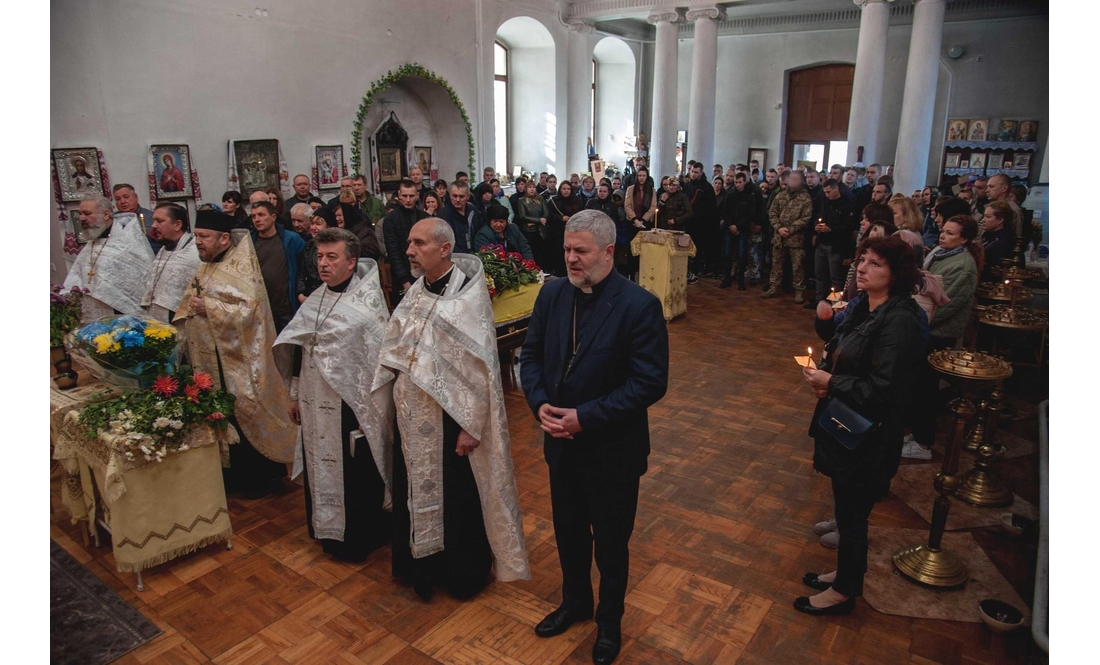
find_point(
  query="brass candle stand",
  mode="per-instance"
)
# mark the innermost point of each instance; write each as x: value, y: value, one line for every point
x: 1010, y: 317
x: 1007, y: 291
x: 980, y: 487
x: 971, y: 373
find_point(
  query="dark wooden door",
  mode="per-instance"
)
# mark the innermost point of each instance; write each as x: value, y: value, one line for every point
x: 818, y: 102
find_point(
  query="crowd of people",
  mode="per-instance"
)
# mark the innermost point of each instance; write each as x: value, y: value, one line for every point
x: 291, y: 300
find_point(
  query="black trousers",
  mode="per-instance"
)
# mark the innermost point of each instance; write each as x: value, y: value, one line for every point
x: 852, y: 505
x: 592, y: 509
x: 829, y: 270
x: 926, y: 398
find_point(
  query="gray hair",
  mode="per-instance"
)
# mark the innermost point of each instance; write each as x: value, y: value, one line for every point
x: 102, y: 203
x: 441, y: 231
x: 303, y: 209
x: 460, y: 185
x: 595, y: 222
x: 334, y: 234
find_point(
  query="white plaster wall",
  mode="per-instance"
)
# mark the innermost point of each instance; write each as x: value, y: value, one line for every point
x: 1010, y: 80
x: 129, y: 73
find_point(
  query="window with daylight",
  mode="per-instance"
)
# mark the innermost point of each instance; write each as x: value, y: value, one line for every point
x: 592, y: 134
x: 500, y: 105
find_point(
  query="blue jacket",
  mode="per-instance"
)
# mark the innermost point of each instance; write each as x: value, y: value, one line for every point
x: 619, y: 371
x: 293, y: 246
x: 465, y: 228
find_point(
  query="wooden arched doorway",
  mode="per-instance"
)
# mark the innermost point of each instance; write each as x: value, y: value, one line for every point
x: 818, y: 102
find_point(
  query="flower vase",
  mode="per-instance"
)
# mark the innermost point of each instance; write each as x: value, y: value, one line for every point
x: 66, y: 377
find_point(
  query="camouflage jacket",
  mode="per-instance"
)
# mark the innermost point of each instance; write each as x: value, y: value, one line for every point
x: 791, y: 212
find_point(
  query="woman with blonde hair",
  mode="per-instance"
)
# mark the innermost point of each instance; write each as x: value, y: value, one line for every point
x: 906, y: 214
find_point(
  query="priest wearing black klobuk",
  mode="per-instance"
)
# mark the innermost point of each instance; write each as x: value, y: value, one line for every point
x: 229, y: 333
x: 344, y: 451
x: 456, y: 509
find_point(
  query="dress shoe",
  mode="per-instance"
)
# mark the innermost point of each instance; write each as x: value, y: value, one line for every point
x: 609, y: 640
x: 810, y: 580
x: 802, y: 604
x: 558, y: 621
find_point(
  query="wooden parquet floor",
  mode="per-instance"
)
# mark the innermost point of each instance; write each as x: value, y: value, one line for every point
x: 722, y: 540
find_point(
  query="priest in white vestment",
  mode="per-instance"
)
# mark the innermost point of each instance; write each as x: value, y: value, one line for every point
x: 113, y: 264
x: 456, y: 509
x: 175, y: 264
x: 346, y: 431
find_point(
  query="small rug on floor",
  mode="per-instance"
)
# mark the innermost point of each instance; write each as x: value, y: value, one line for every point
x: 888, y: 591
x: 89, y: 623
x: 913, y: 484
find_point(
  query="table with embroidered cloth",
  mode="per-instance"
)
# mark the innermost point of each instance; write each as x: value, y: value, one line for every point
x: 155, y: 510
x: 663, y: 267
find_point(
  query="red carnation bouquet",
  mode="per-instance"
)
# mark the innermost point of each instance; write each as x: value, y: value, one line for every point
x: 507, y: 271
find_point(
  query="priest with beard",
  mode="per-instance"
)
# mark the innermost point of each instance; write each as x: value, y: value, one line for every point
x: 229, y: 333
x: 347, y: 432
x: 456, y: 509
x: 175, y: 264
x: 113, y: 264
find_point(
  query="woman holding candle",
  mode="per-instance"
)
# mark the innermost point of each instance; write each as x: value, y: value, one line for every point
x: 870, y: 361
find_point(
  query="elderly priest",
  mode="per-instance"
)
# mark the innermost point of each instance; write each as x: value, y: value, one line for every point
x: 114, y: 263
x: 229, y: 335
x: 347, y: 432
x: 175, y: 264
x: 455, y: 509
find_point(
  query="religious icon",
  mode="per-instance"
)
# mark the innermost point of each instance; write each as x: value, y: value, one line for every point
x: 257, y: 164
x: 1021, y: 161
x: 1007, y: 131
x: 957, y: 129
x: 977, y: 160
x: 389, y: 164
x: 423, y: 156
x: 952, y: 161
x: 329, y: 160
x: 978, y: 129
x: 77, y: 172
x: 964, y: 164
x: 1029, y: 130
x: 759, y: 155
x: 172, y: 164
x: 996, y: 161
x: 78, y: 228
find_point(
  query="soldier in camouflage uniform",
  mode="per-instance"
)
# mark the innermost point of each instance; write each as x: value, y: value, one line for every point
x: 790, y: 217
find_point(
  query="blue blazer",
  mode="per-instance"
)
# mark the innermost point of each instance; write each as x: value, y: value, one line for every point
x: 620, y: 370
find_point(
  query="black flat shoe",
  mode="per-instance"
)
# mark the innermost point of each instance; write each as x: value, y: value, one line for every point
x: 810, y: 580
x: 558, y: 621
x: 609, y: 640
x: 802, y: 604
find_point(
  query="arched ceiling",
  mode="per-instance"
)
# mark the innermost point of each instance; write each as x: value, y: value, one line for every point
x: 524, y: 32
x: 612, y: 50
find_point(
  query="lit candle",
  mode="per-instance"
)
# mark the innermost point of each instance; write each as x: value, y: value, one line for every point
x: 809, y: 357
x: 1011, y: 294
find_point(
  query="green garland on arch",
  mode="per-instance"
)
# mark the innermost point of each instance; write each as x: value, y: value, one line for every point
x: 392, y: 77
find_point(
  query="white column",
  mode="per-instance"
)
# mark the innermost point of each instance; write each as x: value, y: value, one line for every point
x: 919, y: 101
x: 863, y: 119
x: 662, y: 143
x: 704, y: 74
x: 579, y: 121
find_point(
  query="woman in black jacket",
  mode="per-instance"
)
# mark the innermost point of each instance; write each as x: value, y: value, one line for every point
x: 559, y: 208
x: 870, y: 362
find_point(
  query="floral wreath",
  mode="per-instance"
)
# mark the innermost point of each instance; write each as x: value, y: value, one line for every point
x: 392, y: 77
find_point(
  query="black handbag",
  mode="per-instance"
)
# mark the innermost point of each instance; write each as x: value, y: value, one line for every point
x: 848, y: 426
